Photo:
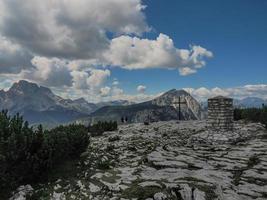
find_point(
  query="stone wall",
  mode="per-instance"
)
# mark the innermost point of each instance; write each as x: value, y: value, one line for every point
x: 220, y: 113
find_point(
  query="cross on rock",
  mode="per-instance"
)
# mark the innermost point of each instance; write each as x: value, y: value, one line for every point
x: 179, y: 106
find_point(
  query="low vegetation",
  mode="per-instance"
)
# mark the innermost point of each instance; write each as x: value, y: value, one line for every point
x: 100, y: 127
x: 252, y: 114
x: 28, y: 155
x: 138, y: 192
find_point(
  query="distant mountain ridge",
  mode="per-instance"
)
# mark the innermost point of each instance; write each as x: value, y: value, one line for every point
x: 162, y: 108
x: 250, y: 102
x: 39, y: 104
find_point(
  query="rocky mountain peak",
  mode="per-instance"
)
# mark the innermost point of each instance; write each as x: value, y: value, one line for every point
x: 28, y: 88
x: 189, y: 105
x: 80, y: 100
x: 171, y: 97
x: 23, y: 86
x: 176, y: 92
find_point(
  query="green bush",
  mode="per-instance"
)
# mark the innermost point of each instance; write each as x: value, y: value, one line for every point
x: 252, y: 114
x: 100, y: 127
x: 26, y: 155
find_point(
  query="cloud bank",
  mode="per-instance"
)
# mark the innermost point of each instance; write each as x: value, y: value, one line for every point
x: 72, y: 45
x: 202, y: 93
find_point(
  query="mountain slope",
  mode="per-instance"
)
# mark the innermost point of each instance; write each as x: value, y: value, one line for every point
x: 161, y: 108
x: 190, y: 108
x: 40, y: 105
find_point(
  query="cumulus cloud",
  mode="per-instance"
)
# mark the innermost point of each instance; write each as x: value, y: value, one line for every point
x: 105, y: 91
x: 184, y: 71
x: 92, y: 79
x: 62, y: 44
x: 240, y: 92
x: 97, y: 77
x: 117, y: 91
x: 135, y: 53
x: 141, y: 89
x: 80, y: 79
x: 69, y: 29
x: 48, y: 72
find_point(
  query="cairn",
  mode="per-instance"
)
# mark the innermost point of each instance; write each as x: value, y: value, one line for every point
x: 220, y: 114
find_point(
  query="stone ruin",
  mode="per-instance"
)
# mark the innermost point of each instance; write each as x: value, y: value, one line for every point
x: 220, y: 114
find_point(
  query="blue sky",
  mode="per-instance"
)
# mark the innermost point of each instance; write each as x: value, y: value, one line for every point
x: 235, y: 31
x: 78, y: 48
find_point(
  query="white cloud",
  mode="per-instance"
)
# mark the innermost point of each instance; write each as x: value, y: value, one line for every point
x: 92, y: 79
x: 135, y: 53
x: 240, y: 92
x: 80, y: 79
x: 69, y: 29
x: 141, y: 89
x: 184, y: 71
x: 97, y: 77
x: 105, y: 91
x: 48, y: 72
x: 117, y: 91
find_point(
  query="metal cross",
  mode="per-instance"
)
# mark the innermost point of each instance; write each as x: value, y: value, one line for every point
x: 179, y: 106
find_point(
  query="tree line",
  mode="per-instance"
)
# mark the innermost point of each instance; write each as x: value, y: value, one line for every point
x: 100, y: 127
x: 252, y: 114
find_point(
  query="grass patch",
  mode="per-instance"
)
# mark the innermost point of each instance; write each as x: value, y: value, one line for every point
x: 253, y: 160
x: 112, y: 178
x: 209, y: 191
x: 237, y: 176
x: 140, y: 193
x: 105, y: 164
x: 110, y: 147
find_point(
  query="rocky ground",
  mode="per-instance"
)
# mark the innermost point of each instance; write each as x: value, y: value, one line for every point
x: 167, y: 160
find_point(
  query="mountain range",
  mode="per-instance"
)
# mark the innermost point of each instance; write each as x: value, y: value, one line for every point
x: 162, y: 108
x: 249, y: 102
x: 39, y: 104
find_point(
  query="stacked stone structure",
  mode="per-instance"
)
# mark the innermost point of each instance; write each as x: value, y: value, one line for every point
x: 220, y: 114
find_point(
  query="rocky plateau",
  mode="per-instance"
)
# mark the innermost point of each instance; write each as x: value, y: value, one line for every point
x: 163, y: 161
